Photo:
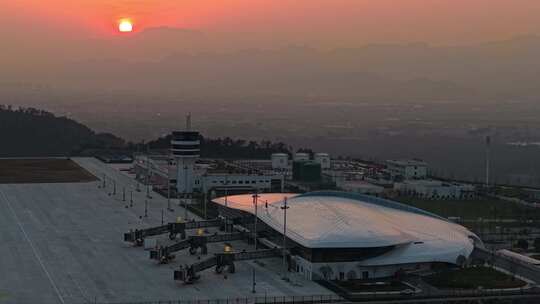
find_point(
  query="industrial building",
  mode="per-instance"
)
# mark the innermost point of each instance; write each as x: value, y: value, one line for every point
x: 342, y: 236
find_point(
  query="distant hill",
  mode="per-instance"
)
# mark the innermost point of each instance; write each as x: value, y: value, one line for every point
x: 29, y: 132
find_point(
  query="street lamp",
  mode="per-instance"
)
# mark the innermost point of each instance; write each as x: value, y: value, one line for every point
x: 284, y: 208
x: 255, y: 200
x: 253, y: 282
x: 185, y: 193
x: 169, y: 185
x: 145, y: 208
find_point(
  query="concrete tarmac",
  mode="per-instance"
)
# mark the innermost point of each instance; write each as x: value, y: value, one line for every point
x: 62, y: 243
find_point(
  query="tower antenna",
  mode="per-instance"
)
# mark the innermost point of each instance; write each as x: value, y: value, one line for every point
x: 188, y: 122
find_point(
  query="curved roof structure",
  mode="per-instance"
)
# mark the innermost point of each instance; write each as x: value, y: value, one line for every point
x: 345, y: 220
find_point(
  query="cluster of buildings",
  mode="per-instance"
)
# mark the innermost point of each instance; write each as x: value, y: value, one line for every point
x: 183, y: 171
x: 330, y: 235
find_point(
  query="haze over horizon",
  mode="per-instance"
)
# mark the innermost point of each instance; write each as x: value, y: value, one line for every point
x: 351, y: 77
x: 76, y: 44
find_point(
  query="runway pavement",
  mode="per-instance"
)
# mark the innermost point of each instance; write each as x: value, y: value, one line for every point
x: 62, y: 243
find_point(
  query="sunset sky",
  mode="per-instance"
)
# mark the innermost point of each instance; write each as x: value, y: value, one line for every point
x: 317, y: 22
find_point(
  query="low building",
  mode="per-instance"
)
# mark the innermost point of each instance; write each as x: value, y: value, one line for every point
x: 280, y: 161
x: 239, y: 182
x: 156, y: 170
x: 323, y: 159
x: 434, y: 189
x: 407, y: 169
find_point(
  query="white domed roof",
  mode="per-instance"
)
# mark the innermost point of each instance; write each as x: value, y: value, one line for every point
x: 344, y: 220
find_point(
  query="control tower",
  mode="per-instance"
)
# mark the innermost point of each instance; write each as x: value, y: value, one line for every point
x: 185, y: 148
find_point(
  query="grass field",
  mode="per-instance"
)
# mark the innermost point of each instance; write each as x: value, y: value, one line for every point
x: 363, y: 286
x: 473, y: 278
x: 3, y: 296
x: 28, y: 171
x: 474, y: 209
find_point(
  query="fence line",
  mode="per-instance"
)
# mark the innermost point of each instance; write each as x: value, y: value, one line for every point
x: 325, y: 299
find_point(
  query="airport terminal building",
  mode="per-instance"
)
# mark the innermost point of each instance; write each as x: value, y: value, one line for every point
x: 342, y: 236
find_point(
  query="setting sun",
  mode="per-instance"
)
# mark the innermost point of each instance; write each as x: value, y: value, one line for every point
x: 125, y: 26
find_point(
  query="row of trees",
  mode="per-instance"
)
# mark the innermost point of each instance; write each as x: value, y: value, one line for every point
x: 227, y: 147
x: 34, y: 132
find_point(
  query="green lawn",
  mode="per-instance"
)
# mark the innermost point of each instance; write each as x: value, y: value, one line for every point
x: 474, y: 209
x: 371, y: 286
x: 3, y: 295
x: 473, y: 278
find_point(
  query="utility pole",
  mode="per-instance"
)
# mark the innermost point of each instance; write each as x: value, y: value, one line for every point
x: 255, y: 203
x: 145, y: 208
x: 284, y: 208
x: 114, y: 187
x: 123, y: 194
x: 162, y: 216
x: 131, y: 198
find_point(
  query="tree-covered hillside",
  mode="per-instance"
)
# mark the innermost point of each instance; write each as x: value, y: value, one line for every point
x: 29, y: 132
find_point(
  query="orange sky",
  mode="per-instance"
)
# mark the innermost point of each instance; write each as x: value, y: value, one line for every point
x: 322, y: 22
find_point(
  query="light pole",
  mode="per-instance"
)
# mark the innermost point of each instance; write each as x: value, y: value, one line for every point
x: 147, y: 174
x: 185, y: 193
x: 255, y: 201
x: 145, y: 208
x: 169, y: 187
x: 284, y: 208
x: 131, y: 198
x: 204, y: 204
x: 253, y: 283
x: 123, y: 194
